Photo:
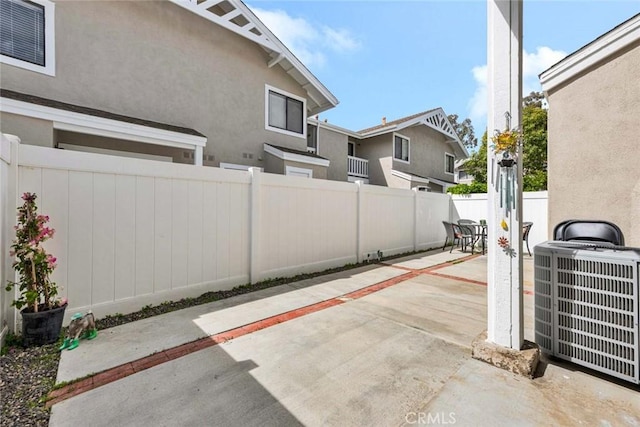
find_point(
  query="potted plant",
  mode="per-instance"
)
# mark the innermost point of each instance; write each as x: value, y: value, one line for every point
x: 42, y: 311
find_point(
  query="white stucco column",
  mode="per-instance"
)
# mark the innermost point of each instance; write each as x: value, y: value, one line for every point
x: 504, y: 269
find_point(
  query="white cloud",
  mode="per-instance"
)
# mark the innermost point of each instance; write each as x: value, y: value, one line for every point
x: 532, y: 65
x: 340, y: 40
x: 478, y: 103
x: 308, y: 42
x: 535, y: 63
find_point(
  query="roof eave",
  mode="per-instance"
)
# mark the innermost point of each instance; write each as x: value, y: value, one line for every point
x: 618, y: 38
x: 320, y: 98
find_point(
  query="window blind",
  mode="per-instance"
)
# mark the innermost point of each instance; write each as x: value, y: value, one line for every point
x: 22, y: 30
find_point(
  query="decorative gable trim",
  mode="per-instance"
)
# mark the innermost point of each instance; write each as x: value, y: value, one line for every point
x: 234, y: 16
x: 438, y: 120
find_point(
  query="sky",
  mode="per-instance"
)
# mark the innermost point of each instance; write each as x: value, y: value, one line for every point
x: 396, y: 58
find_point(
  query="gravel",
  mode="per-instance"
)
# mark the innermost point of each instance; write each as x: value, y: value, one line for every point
x: 26, y: 377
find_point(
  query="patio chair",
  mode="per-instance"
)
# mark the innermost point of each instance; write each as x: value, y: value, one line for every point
x: 526, y: 227
x: 599, y: 231
x: 468, y: 235
x: 558, y: 229
x: 452, y: 236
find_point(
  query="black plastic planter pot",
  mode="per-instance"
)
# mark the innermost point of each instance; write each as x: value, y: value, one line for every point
x: 42, y: 327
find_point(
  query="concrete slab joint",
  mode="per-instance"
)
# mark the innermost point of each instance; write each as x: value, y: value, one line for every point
x: 522, y: 362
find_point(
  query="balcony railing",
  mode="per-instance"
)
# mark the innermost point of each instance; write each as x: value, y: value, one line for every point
x: 357, y: 167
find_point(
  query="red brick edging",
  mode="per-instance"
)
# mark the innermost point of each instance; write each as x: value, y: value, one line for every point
x: 130, y: 368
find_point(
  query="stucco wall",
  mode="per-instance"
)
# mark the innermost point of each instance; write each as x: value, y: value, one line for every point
x: 593, y: 146
x: 156, y: 61
x: 333, y: 146
x: 426, y: 156
x: 273, y: 164
x: 378, y: 151
x: 73, y: 138
x: 30, y: 131
x: 427, y: 150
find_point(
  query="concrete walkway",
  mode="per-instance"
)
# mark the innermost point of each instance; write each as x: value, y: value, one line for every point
x: 378, y: 345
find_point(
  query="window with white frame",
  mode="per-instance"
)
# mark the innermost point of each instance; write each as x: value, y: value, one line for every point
x: 449, y: 160
x: 26, y: 34
x: 401, y: 148
x: 285, y: 112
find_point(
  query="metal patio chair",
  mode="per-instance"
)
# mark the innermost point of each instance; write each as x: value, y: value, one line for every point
x: 590, y: 230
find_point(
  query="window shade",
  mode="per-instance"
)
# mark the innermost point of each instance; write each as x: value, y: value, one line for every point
x: 22, y: 30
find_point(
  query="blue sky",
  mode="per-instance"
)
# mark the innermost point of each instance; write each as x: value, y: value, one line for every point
x: 396, y: 58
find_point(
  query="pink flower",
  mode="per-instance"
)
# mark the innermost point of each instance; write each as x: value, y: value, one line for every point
x: 51, y: 261
x: 28, y: 197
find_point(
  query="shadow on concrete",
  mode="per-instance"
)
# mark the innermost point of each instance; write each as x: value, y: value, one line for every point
x: 207, y: 387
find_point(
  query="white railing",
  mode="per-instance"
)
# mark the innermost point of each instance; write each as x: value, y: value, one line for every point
x: 357, y: 167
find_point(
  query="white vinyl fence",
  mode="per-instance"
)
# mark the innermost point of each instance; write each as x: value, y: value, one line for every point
x: 132, y: 232
x: 7, y: 220
x: 534, y: 209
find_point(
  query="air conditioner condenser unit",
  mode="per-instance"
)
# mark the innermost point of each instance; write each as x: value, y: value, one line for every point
x: 586, y: 306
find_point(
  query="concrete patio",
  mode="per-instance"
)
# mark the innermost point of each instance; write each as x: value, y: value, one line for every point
x: 377, y: 345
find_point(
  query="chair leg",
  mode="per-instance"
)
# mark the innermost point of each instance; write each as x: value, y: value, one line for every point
x: 446, y: 239
x: 452, y: 245
x: 528, y: 247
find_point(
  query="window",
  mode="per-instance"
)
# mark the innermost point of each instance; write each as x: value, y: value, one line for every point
x: 285, y: 113
x: 462, y: 175
x: 312, y: 138
x: 401, y: 148
x: 449, y: 160
x: 351, y: 150
x: 26, y: 34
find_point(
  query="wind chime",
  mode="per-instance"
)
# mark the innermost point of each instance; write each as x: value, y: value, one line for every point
x: 506, y: 144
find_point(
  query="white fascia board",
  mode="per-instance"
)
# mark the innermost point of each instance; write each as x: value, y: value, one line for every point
x: 99, y: 126
x: 334, y: 128
x: 409, y: 177
x: 295, y: 157
x: 611, y: 42
x: 380, y: 131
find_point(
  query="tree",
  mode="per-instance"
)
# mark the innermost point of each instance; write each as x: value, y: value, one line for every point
x: 534, y: 150
x: 476, y: 164
x: 464, y: 130
x: 535, y: 99
x: 534, y: 147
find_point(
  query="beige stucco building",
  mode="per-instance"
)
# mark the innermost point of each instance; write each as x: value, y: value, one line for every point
x: 196, y: 82
x: 415, y: 151
x: 163, y: 80
x: 593, y: 153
